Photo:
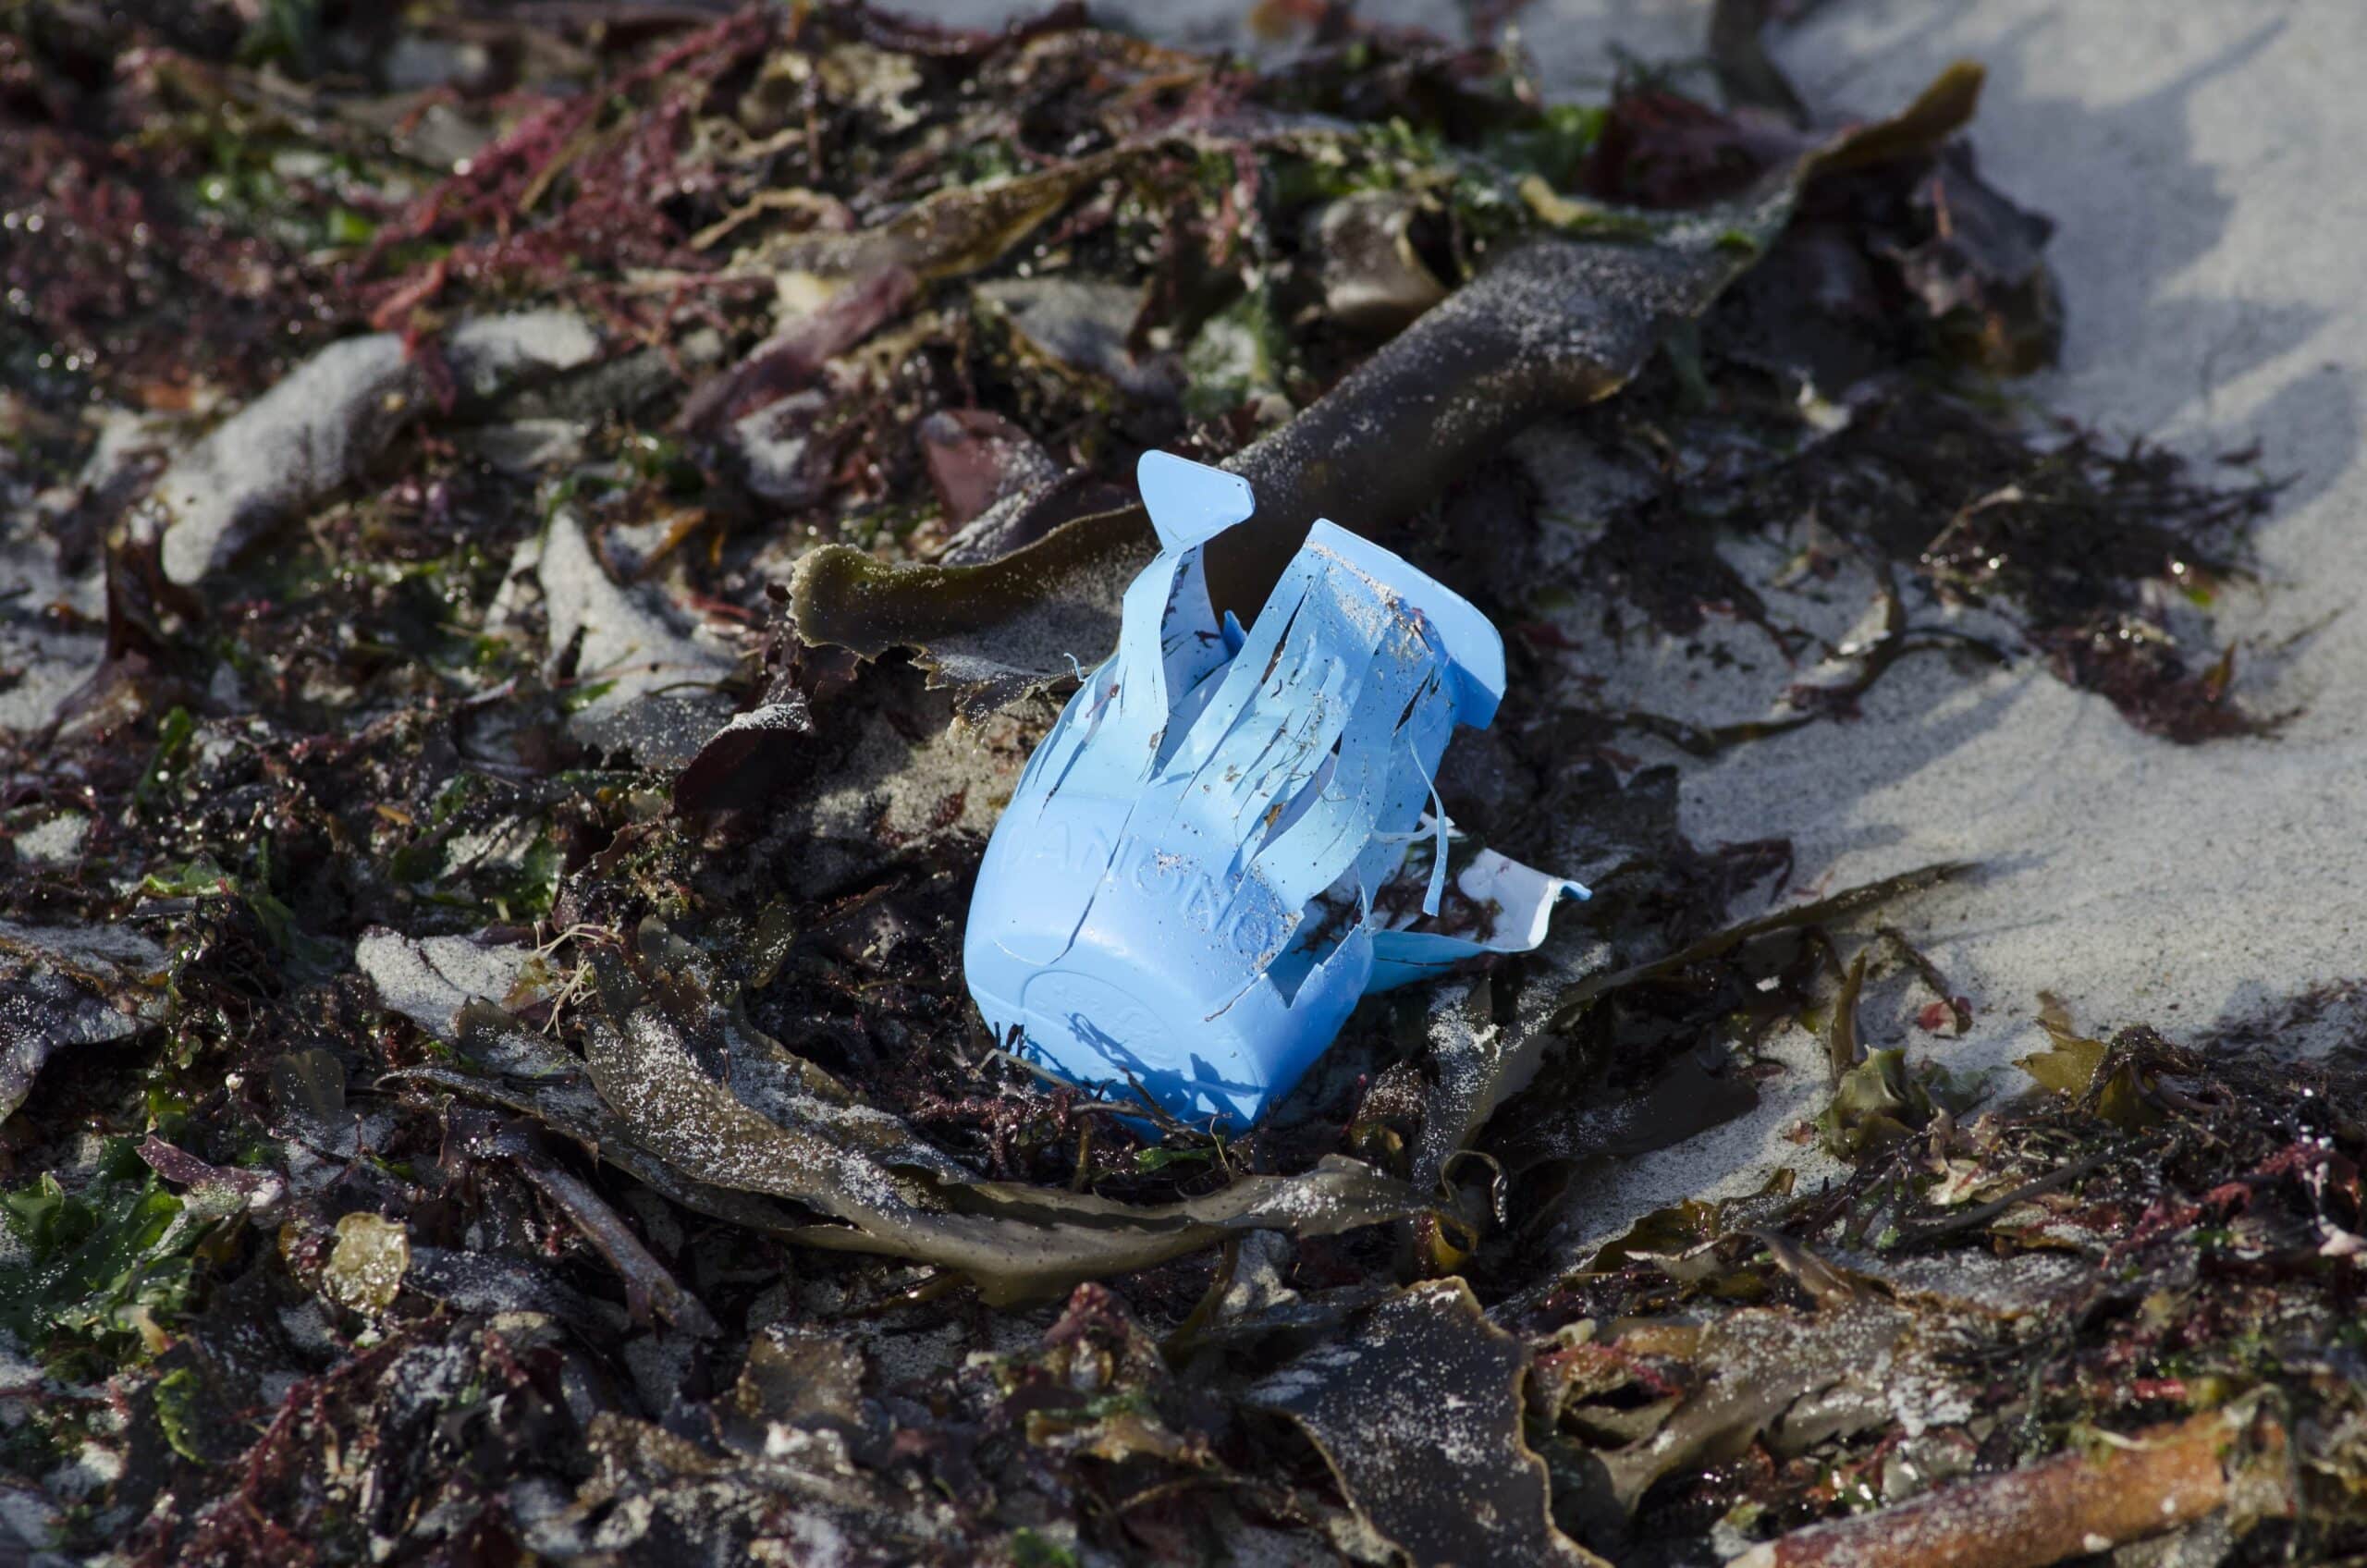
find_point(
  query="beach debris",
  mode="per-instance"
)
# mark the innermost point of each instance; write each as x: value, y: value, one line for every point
x: 2128, y: 1488
x: 689, y: 1087
x: 96, y: 1269
x: 1416, y: 1409
x: 649, y: 1287
x: 61, y: 987
x: 429, y: 980
x: 646, y: 683
x: 516, y: 1142
x: 1374, y: 275
x: 319, y: 426
x: 367, y: 1264
x: 1554, y: 323
x: 1195, y: 881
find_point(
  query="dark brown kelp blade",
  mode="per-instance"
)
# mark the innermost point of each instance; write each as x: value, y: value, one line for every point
x: 890, y: 1192
x: 1577, y: 998
x: 1553, y: 324
x: 1418, y: 1410
x: 1759, y: 1365
x: 662, y: 1114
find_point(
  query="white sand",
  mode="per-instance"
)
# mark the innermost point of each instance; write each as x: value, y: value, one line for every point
x: 2202, y: 163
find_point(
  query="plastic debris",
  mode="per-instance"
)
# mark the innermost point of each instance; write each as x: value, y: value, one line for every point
x: 1229, y: 837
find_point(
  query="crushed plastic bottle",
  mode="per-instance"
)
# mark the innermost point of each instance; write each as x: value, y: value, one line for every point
x: 1229, y: 837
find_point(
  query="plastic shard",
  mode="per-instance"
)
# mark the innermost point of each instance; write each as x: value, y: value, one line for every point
x: 1230, y: 836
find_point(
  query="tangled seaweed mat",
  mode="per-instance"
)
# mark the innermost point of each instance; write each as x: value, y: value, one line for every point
x: 485, y: 1068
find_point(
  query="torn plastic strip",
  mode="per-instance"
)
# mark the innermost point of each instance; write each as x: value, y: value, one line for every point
x: 1187, y: 892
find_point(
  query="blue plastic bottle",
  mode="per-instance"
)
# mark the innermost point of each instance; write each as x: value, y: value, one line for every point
x: 1182, y: 891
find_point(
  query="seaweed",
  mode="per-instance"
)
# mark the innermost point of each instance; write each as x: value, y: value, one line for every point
x: 1463, y: 1489
x: 546, y: 535
x: 1551, y: 323
x: 101, y: 1269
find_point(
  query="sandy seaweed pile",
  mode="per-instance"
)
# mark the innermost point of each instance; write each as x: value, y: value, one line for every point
x: 544, y: 540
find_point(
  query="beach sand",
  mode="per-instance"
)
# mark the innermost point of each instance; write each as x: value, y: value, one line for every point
x: 2201, y: 165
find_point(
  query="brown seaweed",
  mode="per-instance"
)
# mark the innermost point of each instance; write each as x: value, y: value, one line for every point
x: 445, y: 1128
x: 1554, y: 324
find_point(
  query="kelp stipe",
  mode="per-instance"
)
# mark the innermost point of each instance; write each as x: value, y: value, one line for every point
x: 1185, y: 889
